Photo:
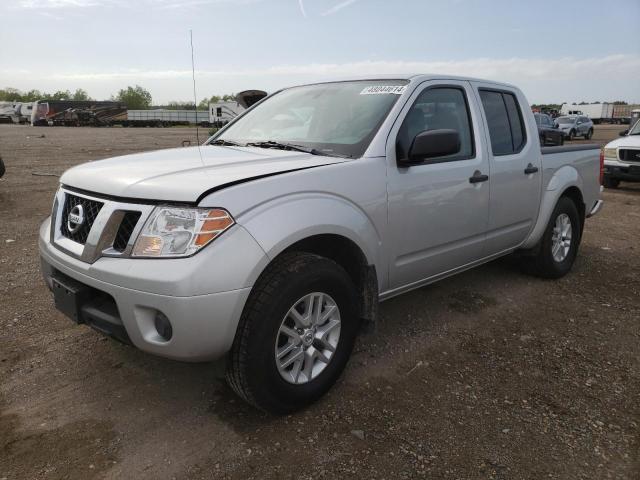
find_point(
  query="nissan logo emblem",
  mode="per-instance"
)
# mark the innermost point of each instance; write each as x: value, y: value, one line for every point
x: 75, y: 219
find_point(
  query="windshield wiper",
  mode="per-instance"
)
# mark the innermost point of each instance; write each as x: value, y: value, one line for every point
x: 294, y: 147
x: 226, y: 143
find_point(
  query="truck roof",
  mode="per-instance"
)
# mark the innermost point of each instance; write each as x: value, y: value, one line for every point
x: 413, y: 77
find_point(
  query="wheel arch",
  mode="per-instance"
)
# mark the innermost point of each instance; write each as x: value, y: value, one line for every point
x: 565, y: 182
x: 327, y: 225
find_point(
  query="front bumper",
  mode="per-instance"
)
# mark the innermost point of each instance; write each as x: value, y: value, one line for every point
x: 621, y: 171
x: 203, y: 324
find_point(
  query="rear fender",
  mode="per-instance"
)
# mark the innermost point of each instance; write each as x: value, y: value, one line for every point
x: 564, y: 178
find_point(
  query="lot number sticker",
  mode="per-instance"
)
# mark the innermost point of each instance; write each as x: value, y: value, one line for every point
x: 384, y: 89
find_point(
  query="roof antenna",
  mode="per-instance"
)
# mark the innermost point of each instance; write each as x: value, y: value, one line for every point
x: 195, y: 98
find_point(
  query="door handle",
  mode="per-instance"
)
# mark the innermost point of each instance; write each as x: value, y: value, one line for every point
x: 478, y: 177
x: 530, y: 169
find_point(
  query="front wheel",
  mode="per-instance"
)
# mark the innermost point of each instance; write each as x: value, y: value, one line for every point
x: 572, y: 134
x: 589, y: 134
x: 296, y: 333
x: 558, y: 246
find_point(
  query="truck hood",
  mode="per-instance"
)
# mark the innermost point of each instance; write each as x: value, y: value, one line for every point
x: 628, y: 141
x: 184, y: 174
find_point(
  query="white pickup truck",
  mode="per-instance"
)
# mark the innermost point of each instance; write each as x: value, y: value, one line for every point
x: 271, y: 243
x: 622, y: 158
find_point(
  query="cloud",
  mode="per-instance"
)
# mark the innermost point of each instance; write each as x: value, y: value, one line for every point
x: 54, y: 4
x: 338, y: 7
x: 76, y: 4
x: 302, y: 10
x: 490, y: 68
x: 543, y: 80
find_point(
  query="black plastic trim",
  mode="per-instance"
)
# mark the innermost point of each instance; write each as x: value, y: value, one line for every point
x: 142, y: 201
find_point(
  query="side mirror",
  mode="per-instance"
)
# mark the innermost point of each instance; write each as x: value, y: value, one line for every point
x: 623, y: 133
x: 555, y: 125
x: 432, y: 144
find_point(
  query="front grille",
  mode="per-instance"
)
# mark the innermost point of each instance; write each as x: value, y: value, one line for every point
x: 629, y: 155
x: 129, y: 222
x: 91, y: 208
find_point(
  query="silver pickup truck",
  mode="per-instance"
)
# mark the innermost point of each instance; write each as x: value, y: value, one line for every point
x: 269, y: 245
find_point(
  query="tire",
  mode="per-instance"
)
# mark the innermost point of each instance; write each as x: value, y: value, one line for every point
x: 253, y: 371
x: 542, y: 263
x: 609, y: 182
x: 561, y: 142
x: 572, y: 134
x: 589, y: 134
x: 543, y: 140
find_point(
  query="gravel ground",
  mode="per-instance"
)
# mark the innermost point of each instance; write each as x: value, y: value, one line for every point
x: 489, y: 374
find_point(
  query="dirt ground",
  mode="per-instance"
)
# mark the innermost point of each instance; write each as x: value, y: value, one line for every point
x: 489, y: 374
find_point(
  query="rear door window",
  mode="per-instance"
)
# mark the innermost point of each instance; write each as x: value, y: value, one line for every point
x: 505, y: 122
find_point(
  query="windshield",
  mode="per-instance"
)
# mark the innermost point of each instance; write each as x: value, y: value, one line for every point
x: 332, y: 118
x: 635, y: 130
x: 565, y: 120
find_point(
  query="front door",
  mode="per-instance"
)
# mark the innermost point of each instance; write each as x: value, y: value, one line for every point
x: 437, y: 216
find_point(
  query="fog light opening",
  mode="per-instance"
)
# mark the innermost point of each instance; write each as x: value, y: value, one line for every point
x: 163, y: 326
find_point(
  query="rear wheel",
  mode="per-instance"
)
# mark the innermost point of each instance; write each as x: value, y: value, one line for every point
x: 295, y: 335
x: 558, y: 246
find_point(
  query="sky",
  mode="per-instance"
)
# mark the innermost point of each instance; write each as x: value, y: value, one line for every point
x: 555, y: 51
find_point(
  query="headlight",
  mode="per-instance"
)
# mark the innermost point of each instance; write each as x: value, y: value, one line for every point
x: 180, y: 232
x: 610, y: 153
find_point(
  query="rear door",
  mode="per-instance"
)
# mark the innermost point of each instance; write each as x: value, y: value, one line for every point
x: 437, y: 217
x: 516, y: 166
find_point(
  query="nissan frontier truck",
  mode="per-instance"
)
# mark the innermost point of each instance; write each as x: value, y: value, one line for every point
x: 270, y: 244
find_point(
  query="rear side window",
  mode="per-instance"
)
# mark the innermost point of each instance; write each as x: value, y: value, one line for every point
x: 504, y: 118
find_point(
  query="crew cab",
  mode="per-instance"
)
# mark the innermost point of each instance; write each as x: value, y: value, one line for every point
x: 622, y: 158
x: 269, y: 245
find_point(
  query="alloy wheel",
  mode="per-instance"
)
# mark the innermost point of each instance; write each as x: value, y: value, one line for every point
x: 308, y: 338
x: 561, y: 238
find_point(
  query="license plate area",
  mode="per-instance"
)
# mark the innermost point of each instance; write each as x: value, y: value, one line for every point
x: 69, y: 297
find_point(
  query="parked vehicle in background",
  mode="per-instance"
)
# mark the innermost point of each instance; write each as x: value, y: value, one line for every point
x: 548, y: 130
x: 622, y: 158
x: 272, y: 242
x: 597, y: 112
x: 164, y: 118
x: 15, y: 112
x: 77, y: 113
x: 600, y: 112
x: 575, y: 126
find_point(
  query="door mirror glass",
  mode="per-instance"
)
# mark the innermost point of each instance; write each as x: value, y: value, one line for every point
x: 432, y: 144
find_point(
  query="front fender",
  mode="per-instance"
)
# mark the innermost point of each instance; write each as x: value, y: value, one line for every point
x: 281, y: 222
x: 564, y: 178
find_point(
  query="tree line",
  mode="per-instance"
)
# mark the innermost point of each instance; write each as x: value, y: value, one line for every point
x: 135, y: 97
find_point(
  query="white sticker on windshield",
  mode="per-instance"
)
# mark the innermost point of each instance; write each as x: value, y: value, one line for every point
x: 384, y: 89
